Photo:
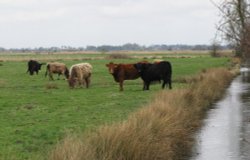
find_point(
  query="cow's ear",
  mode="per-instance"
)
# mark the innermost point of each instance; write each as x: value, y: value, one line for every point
x: 110, y: 63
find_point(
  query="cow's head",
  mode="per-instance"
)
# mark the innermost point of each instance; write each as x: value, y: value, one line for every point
x: 112, y: 67
x: 72, y: 82
x: 142, y: 66
x: 40, y: 65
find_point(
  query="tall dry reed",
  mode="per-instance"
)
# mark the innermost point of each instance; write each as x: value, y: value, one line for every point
x: 163, y: 129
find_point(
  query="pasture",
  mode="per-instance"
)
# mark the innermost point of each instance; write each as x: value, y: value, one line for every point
x: 36, y: 113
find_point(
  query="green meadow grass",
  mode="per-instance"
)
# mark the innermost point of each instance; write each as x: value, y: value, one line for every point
x: 36, y: 113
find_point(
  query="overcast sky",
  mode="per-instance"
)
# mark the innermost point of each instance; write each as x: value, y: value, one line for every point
x: 78, y: 23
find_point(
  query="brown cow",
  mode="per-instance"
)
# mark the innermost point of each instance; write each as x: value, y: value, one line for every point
x: 56, y: 67
x: 122, y: 72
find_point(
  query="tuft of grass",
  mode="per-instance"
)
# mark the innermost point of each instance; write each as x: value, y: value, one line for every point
x: 51, y: 86
x: 163, y: 129
x: 2, y: 83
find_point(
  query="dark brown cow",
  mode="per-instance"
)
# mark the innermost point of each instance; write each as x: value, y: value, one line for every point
x: 122, y: 72
x: 34, y: 66
x: 155, y: 72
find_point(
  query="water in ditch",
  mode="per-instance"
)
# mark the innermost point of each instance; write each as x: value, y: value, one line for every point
x: 226, y: 131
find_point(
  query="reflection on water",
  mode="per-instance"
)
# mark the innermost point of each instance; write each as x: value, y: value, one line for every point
x: 225, y: 135
x: 245, y: 75
x: 245, y: 98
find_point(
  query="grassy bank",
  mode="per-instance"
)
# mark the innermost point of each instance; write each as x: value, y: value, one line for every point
x: 161, y: 130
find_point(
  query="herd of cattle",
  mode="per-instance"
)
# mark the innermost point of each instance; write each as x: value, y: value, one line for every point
x: 81, y: 73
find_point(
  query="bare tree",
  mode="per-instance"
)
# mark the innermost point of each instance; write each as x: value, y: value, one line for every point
x: 235, y: 24
x: 215, y: 47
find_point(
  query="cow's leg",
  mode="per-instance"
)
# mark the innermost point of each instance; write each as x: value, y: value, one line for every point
x: 50, y: 76
x: 165, y: 81
x: 87, y: 83
x: 65, y: 75
x: 58, y: 76
x: 170, y: 84
x: 163, y: 84
x: 121, y: 85
x: 80, y: 81
x: 146, y: 86
x: 168, y: 80
x: 87, y: 80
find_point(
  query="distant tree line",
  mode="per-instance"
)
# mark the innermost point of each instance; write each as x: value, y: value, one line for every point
x: 107, y: 48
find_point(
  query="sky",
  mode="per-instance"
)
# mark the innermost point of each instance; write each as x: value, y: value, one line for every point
x: 79, y: 23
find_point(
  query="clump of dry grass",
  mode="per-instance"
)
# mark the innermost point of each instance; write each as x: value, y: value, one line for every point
x: 189, y: 79
x: 51, y: 86
x: 161, y: 130
x: 118, y: 56
x: 2, y: 83
x: 70, y: 148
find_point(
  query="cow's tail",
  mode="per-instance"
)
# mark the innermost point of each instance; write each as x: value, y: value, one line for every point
x: 47, y: 69
x: 170, y: 69
x: 170, y: 76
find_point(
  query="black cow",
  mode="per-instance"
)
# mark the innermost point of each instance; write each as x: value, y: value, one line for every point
x: 34, y: 66
x: 155, y: 72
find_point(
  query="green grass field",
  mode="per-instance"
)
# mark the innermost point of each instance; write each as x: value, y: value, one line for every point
x: 36, y: 113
